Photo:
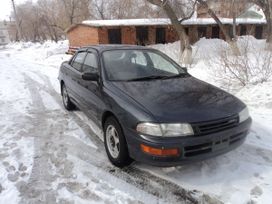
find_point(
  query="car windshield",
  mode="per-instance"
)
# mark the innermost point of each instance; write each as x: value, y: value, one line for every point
x: 136, y: 65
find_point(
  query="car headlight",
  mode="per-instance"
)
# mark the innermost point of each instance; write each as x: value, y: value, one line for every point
x: 165, y: 130
x: 243, y: 115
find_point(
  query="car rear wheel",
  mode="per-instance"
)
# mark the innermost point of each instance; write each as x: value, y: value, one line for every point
x: 115, y: 143
x: 66, y: 100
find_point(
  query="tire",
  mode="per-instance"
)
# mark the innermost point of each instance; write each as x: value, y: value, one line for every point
x: 68, y: 105
x: 112, y: 129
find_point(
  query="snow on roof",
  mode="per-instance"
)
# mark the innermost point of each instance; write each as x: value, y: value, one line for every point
x: 166, y: 21
x: 258, y: 10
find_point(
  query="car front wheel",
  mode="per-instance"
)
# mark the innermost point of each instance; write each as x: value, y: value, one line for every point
x: 115, y: 143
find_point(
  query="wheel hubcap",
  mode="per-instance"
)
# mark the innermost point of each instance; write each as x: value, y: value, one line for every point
x: 65, y: 96
x: 113, y: 141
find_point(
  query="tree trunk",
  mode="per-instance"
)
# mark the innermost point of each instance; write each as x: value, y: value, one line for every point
x: 234, y: 13
x: 185, y: 47
x: 268, y: 16
x: 186, y: 52
x: 230, y: 41
x: 266, y: 6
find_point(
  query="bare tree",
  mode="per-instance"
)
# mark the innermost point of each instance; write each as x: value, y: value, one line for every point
x: 17, y: 20
x: 229, y: 39
x: 76, y: 10
x: 253, y: 66
x: 99, y: 8
x: 169, y: 10
x: 266, y: 6
x: 234, y: 16
x: 48, y: 19
x: 122, y: 9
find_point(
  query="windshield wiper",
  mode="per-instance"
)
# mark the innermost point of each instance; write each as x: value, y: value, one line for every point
x: 153, y: 77
x: 177, y: 75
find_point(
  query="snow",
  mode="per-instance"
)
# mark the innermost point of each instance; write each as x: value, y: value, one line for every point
x: 60, y: 157
x: 258, y: 10
x: 234, y: 177
x: 166, y: 21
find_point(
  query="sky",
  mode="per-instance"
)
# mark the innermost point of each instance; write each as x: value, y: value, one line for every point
x: 6, y: 8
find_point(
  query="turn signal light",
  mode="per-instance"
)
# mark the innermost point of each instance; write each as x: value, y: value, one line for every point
x: 159, y: 152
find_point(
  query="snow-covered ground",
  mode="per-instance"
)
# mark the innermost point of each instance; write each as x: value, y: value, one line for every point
x: 48, y: 155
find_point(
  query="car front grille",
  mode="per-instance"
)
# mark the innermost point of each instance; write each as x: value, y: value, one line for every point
x: 215, y: 126
x: 216, y: 145
x: 195, y: 150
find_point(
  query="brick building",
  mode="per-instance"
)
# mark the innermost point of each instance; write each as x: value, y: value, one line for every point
x: 154, y: 31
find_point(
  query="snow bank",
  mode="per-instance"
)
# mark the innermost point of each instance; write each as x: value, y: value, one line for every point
x: 49, y: 52
x: 244, y: 175
x: 208, y: 61
x: 241, y: 176
x: 48, y: 48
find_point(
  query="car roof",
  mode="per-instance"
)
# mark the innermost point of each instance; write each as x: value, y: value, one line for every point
x: 103, y: 47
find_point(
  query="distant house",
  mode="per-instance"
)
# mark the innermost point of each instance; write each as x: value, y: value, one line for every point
x: 154, y: 31
x: 4, y: 35
x: 250, y: 21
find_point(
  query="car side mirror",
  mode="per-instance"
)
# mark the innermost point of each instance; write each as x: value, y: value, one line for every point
x: 90, y: 76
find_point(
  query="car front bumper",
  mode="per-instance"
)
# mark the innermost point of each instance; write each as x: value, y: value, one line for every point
x: 191, y: 148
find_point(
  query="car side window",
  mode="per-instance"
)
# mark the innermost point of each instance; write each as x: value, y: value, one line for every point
x: 90, y: 64
x: 78, y: 60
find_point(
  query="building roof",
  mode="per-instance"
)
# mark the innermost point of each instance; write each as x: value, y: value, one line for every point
x: 166, y: 21
x: 76, y: 25
x: 251, y: 14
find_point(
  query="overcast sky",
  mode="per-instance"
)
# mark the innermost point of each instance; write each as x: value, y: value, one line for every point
x: 6, y: 8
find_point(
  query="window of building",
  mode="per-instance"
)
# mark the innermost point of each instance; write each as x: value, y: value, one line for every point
x: 114, y: 36
x: 90, y: 64
x: 259, y: 32
x: 187, y: 31
x: 160, y: 35
x: 142, y: 35
x: 243, y: 30
x: 215, y: 32
x: 202, y: 32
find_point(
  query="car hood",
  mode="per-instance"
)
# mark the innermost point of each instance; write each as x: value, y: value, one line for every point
x: 182, y: 99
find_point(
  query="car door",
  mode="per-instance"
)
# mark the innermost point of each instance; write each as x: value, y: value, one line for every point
x: 91, y: 90
x: 74, y: 73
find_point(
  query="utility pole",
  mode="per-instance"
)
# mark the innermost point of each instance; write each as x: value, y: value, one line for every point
x: 17, y: 21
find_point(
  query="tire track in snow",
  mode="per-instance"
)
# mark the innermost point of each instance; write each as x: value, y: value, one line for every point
x: 145, y: 181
